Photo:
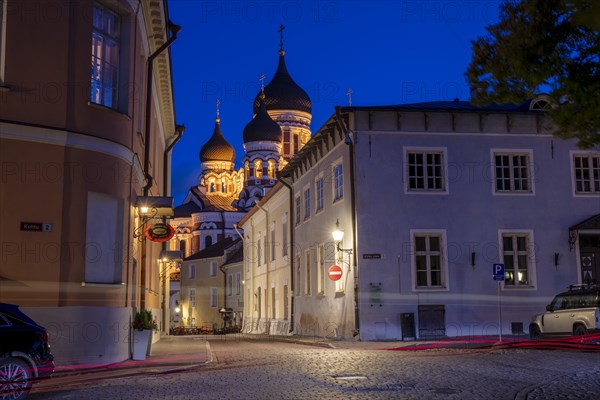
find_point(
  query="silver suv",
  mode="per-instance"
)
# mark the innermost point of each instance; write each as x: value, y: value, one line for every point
x: 574, y: 312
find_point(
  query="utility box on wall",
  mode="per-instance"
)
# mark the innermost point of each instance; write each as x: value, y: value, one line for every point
x: 407, y: 324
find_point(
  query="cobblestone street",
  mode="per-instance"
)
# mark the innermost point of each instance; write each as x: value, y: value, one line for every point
x: 257, y: 369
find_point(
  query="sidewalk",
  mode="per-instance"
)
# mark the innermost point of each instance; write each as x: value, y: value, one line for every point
x: 169, y: 353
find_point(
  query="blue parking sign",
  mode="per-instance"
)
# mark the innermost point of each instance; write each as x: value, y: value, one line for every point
x: 498, y: 272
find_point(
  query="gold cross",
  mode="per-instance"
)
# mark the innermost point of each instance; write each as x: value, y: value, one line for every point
x: 262, y: 83
x: 218, y: 103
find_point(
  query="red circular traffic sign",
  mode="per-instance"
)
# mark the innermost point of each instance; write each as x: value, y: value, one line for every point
x: 335, y: 273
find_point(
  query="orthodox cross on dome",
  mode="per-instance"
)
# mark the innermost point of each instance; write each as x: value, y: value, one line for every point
x: 349, y: 93
x: 281, y: 28
x: 218, y: 103
x: 262, y: 84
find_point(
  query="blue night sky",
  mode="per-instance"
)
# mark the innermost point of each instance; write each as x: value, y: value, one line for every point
x: 387, y: 52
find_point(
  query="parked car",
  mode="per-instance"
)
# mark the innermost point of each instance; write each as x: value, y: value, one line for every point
x: 24, y: 353
x: 574, y: 312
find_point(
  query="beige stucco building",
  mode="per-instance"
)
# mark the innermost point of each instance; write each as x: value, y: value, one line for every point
x: 79, y: 145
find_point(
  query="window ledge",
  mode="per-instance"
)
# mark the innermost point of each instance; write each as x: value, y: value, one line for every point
x: 4, y: 88
x: 340, y: 293
x: 111, y: 110
x: 115, y: 285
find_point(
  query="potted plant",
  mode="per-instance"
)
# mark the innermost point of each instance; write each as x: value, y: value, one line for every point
x: 143, y: 324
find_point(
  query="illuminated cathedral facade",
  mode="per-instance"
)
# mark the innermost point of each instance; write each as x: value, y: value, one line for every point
x: 279, y: 128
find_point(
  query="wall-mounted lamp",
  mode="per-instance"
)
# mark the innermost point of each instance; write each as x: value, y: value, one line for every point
x: 338, y: 235
x: 149, y: 207
x: 473, y: 259
x: 556, y: 257
x: 177, y: 308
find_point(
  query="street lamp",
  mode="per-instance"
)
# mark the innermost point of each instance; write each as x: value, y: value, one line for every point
x: 338, y: 235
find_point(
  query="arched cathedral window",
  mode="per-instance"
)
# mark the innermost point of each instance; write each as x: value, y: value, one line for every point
x: 258, y: 172
x: 271, y: 169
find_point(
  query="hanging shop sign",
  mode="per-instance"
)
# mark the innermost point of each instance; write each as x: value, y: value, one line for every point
x: 159, y: 232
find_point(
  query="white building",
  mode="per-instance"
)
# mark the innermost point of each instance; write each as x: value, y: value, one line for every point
x: 430, y: 196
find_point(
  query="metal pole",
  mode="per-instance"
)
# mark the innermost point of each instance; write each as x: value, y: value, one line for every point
x: 499, y: 312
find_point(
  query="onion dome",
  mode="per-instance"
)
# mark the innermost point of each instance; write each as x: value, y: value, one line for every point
x: 262, y: 127
x: 217, y: 148
x: 282, y: 93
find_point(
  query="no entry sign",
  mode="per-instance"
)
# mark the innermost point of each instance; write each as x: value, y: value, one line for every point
x: 335, y: 273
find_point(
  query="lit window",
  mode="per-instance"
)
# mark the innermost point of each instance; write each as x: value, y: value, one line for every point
x: 338, y: 182
x: 516, y: 256
x: 258, y: 169
x: 271, y: 171
x: 513, y: 172
x: 587, y: 173
x: 105, y: 57
x: 321, y: 269
x: 425, y: 171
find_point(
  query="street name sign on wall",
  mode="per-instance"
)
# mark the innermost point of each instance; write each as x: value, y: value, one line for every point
x: 36, y: 227
x: 498, y: 272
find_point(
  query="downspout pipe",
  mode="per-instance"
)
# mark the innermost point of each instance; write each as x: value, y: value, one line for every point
x: 174, y: 29
x: 291, y: 256
x: 179, y: 129
x: 350, y: 143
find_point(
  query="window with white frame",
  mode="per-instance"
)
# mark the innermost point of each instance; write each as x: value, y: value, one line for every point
x: 229, y: 284
x: 273, y: 243
x: 338, y: 182
x: 265, y: 248
x: 319, y: 191
x: 213, y: 297
x: 339, y: 256
x: 213, y: 268
x: 320, y: 269
x: 587, y: 172
x: 512, y: 172
x: 284, y: 239
x: 192, y: 297
x: 517, y: 257
x: 192, y: 271
x: 106, y: 37
x: 297, y: 282
x: 238, y: 283
x: 307, y: 273
x: 298, y: 210
x: 429, y: 260
x: 307, y: 203
x: 258, y: 252
x: 425, y: 170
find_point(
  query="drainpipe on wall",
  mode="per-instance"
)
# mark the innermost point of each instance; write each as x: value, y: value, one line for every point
x: 350, y: 143
x: 174, y: 29
x: 291, y: 256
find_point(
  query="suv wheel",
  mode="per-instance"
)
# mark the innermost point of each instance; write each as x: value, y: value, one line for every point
x: 534, y: 332
x: 579, y: 330
x: 15, y: 379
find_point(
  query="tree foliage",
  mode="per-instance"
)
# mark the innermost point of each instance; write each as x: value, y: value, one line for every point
x: 550, y: 46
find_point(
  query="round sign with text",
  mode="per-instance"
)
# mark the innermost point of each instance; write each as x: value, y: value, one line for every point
x: 335, y: 273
